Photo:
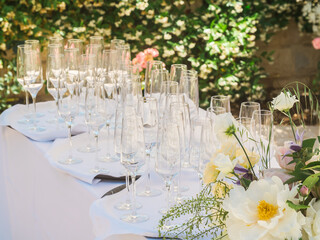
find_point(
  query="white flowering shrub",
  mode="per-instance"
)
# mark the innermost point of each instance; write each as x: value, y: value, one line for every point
x: 216, y: 38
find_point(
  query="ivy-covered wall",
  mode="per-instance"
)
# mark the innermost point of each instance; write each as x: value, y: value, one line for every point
x: 215, y: 37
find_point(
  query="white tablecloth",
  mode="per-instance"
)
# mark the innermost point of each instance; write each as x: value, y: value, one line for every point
x: 39, y: 202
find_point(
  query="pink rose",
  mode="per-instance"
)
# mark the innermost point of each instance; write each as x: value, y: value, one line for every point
x: 284, y: 161
x: 316, y: 43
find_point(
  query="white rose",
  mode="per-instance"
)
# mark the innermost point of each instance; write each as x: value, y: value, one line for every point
x: 284, y: 101
x: 312, y: 226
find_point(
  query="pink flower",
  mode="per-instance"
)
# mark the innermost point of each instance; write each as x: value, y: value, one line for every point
x: 280, y: 173
x: 316, y: 43
x: 152, y: 51
x: 304, y: 191
x: 284, y: 161
x: 143, y: 57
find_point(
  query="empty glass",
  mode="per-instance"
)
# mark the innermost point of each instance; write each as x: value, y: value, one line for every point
x: 247, y: 109
x: 221, y: 101
x: 76, y: 43
x: 189, y: 87
x: 262, y: 130
x: 56, y: 40
x: 148, y: 110
x: 176, y: 72
x: 132, y: 158
x: 72, y: 62
x: 152, y: 85
x: 116, y: 42
x: 68, y: 110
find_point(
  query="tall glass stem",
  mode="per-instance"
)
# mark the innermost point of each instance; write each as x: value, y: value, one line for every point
x: 96, y: 138
x: 148, y: 184
x: 34, y: 106
x: 128, y: 188
x: 108, y: 134
x: 27, y: 99
x: 70, y: 142
x: 134, y: 210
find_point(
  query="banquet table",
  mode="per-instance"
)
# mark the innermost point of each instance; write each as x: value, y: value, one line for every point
x: 37, y: 201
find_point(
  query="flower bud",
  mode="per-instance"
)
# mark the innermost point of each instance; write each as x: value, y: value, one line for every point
x: 304, y: 191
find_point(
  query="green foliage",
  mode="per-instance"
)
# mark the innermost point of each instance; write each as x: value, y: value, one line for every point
x: 203, y: 217
x: 216, y: 38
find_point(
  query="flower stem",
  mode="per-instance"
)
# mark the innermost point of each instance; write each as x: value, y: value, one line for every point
x: 245, y: 152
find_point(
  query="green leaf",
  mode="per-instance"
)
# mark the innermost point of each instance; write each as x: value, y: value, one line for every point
x: 311, y: 181
x: 296, y: 207
x: 311, y: 165
x: 308, y: 143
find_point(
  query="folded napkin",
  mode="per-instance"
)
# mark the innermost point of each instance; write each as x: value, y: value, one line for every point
x: 60, y: 149
x: 14, y: 115
x: 106, y: 218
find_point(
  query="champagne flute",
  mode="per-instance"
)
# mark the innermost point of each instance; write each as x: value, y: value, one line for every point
x: 21, y: 76
x: 168, y: 157
x: 247, y: 109
x: 56, y: 40
x: 176, y: 72
x: 97, y: 40
x: 33, y: 80
x: 116, y: 42
x: 221, y: 101
x: 132, y: 158
x: 76, y: 43
x: 68, y: 110
x: 150, y: 84
x: 96, y: 118
x: 148, y: 110
x: 109, y: 96
x: 262, y: 129
x: 72, y: 62
x: 189, y: 87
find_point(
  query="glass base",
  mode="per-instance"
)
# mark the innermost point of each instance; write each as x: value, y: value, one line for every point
x: 87, y: 149
x: 139, y: 218
x: 182, y: 188
x: 27, y: 121
x: 37, y: 129
x: 107, y: 159
x: 71, y: 161
x: 126, y: 206
x: 149, y: 193
x: 99, y: 170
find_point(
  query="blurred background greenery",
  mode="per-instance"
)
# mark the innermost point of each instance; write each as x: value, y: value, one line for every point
x: 216, y: 38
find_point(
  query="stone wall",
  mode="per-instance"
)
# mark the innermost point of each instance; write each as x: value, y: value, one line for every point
x: 295, y: 59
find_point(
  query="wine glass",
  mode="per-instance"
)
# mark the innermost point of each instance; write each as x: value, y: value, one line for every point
x: 108, y: 90
x: 116, y: 42
x: 21, y: 76
x: 247, y: 109
x: 262, y: 130
x: 176, y: 72
x: 33, y: 79
x: 168, y: 88
x: 151, y: 83
x: 68, y: 110
x: 220, y: 101
x: 123, y: 52
x: 168, y: 157
x: 148, y: 110
x: 76, y: 43
x: 132, y: 158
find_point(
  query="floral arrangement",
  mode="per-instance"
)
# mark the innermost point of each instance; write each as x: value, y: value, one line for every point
x: 216, y: 38
x: 143, y: 57
x: 242, y: 199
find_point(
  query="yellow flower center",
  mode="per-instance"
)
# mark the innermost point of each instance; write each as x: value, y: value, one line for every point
x: 266, y: 210
x: 148, y: 57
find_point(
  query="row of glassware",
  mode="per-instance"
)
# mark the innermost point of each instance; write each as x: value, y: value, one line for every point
x: 104, y: 86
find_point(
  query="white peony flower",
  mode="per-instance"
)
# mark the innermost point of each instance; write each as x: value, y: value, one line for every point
x: 312, y: 226
x: 261, y: 212
x: 284, y: 101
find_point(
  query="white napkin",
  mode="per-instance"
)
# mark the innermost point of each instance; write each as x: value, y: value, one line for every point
x: 13, y: 116
x: 106, y: 218
x: 60, y: 149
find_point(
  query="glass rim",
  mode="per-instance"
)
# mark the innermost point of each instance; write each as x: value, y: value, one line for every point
x: 248, y: 103
x: 25, y: 45
x: 71, y: 50
x: 220, y: 97
x: 54, y: 45
x: 32, y: 41
x: 75, y: 40
x: 174, y: 83
x: 213, y: 107
x: 178, y: 65
x: 54, y: 55
x: 262, y: 112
